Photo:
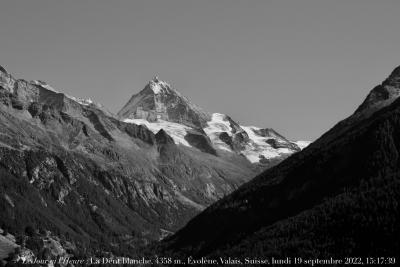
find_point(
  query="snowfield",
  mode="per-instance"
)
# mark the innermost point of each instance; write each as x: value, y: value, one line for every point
x: 175, y: 130
x: 215, y: 127
x: 256, y: 149
x: 259, y: 147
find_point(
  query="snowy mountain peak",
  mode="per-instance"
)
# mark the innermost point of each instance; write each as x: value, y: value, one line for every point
x: 159, y: 106
x: 159, y: 101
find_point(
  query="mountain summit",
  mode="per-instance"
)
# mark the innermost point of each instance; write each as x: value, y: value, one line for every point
x: 158, y: 100
x: 159, y: 106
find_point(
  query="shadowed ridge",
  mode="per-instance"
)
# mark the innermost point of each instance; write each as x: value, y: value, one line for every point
x: 382, y: 94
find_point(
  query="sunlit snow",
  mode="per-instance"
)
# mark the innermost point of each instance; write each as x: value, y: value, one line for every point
x: 303, y: 144
x: 215, y: 127
x: 81, y: 101
x: 258, y: 146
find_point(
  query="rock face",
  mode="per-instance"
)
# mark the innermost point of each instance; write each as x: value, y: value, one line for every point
x: 68, y: 166
x: 324, y: 200
x: 158, y: 100
x: 159, y: 105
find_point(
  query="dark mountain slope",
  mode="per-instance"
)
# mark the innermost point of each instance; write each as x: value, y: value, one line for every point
x: 338, y: 197
x: 362, y: 221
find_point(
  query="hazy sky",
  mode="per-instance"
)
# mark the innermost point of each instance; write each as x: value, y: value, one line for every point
x: 297, y: 66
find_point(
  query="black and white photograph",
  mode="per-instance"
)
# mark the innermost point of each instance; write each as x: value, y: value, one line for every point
x: 199, y: 133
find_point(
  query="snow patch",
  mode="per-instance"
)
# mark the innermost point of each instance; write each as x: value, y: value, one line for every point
x: 82, y: 101
x: 303, y: 144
